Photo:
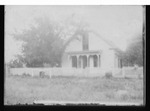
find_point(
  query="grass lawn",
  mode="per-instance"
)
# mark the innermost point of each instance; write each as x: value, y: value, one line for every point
x: 27, y: 89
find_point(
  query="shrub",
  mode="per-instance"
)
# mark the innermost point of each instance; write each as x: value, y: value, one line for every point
x: 108, y: 75
x: 136, y: 96
x: 110, y: 95
x: 140, y: 76
x: 127, y: 77
x: 43, y: 75
x: 122, y: 95
x: 26, y: 75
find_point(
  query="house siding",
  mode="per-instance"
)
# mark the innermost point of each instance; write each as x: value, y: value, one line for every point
x: 75, y: 45
x: 95, y: 43
x: 108, y: 59
x: 66, y: 61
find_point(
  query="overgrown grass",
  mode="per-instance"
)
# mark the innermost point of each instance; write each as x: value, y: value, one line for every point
x: 27, y: 89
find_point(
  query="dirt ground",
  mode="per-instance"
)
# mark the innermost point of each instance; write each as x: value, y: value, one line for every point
x: 25, y: 90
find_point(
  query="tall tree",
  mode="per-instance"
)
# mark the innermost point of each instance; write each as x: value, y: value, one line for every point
x: 134, y: 52
x: 42, y: 43
x: 45, y: 42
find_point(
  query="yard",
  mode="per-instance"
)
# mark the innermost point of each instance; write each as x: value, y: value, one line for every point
x: 19, y: 89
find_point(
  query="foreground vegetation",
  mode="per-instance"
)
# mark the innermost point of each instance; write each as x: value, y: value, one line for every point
x: 22, y: 90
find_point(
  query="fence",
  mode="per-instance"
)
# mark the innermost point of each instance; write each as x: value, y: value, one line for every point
x: 133, y: 72
x: 130, y: 72
x: 57, y: 71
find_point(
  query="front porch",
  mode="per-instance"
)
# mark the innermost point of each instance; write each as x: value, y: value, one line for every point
x: 83, y: 59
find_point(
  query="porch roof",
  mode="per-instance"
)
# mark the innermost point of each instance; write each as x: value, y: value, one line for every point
x: 84, y: 52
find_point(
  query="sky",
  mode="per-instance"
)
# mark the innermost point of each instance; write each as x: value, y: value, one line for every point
x: 115, y: 23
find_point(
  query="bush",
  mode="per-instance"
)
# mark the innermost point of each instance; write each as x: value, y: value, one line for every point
x: 108, y: 75
x: 43, y: 75
x: 136, y: 96
x: 122, y: 95
x: 127, y: 77
x: 110, y: 95
x: 140, y: 76
x: 26, y: 75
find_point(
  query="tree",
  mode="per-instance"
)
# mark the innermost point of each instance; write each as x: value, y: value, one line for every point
x: 45, y: 42
x: 42, y: 43
x: 134, y: 52
x: 17, y: 62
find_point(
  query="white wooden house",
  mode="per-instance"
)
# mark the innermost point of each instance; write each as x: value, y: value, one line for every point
x: 91, y: 51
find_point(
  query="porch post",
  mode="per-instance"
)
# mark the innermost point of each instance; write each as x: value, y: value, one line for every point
x: 77, y: 61
x: 69, y: 60
x: 87, y: 60
x: 68, y: 57
x: 97, y: 60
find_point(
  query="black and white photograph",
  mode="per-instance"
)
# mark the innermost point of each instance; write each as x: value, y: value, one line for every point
x: 74, y: 54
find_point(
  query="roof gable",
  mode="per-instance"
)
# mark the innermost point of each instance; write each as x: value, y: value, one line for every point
x: 75, y: 37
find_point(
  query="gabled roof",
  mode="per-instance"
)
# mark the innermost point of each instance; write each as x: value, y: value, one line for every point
x: 110, y: 43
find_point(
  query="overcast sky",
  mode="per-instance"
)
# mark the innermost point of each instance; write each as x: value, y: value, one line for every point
x: 116, y: 23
